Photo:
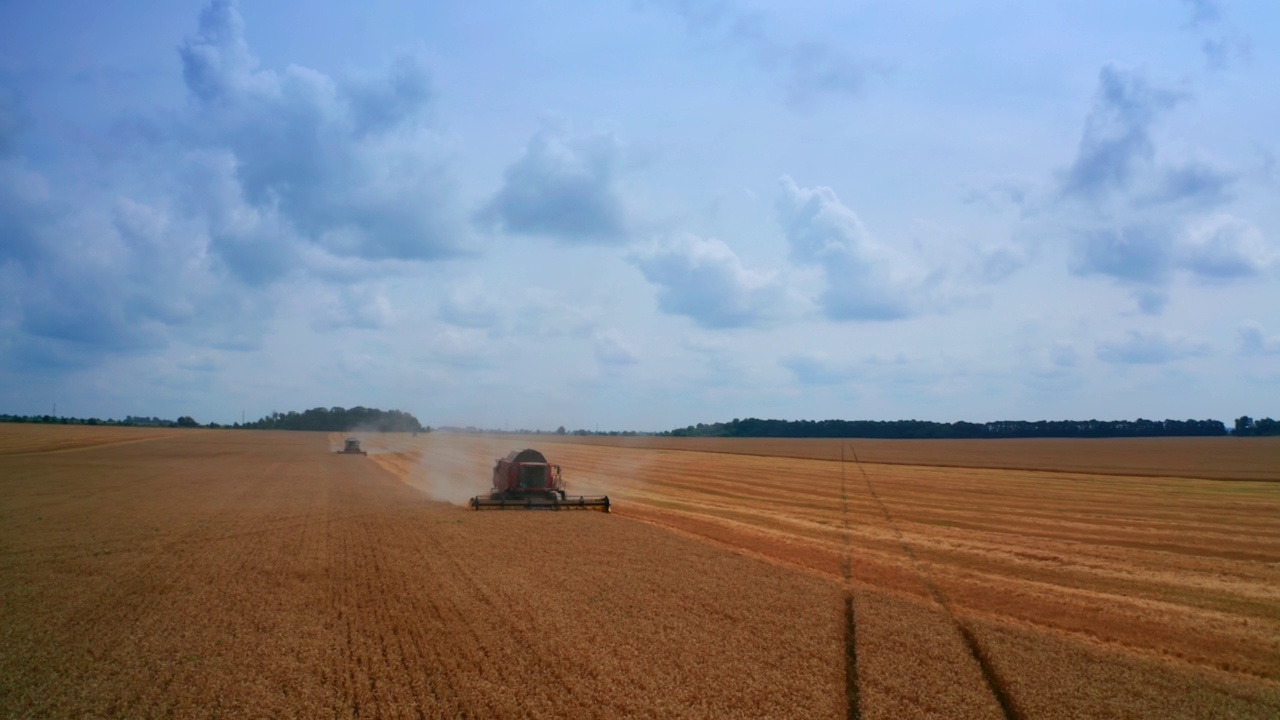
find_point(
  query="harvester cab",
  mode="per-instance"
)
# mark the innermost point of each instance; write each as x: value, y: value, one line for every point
x: 351, y: 446
x: 524, y: 480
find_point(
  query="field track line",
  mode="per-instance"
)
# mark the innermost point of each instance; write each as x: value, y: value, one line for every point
x: 851, y: 691
x: 82, y: 448
x: 994, y: 684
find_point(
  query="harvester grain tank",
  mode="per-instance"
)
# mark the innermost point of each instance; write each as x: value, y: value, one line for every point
x: 351, y: 446
x: 524, y: 480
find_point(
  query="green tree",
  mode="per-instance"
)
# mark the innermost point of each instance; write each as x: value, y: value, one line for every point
x: 1244, y: 426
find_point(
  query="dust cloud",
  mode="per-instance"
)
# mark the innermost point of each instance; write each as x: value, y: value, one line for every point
x: 454, y: 468
x: 444, y: 467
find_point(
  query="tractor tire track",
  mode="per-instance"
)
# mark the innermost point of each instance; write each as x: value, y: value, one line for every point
x: 995, y: 684
x: 851, y: 692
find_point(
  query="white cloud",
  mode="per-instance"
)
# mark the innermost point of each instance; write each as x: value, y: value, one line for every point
x: 351, y: 166
x: 1140, y: 221
x: 1222, y: 247
x: 1117, y: 135
x: 703, y: 279
x: 864, y: 279
x: 265, y: 178
x: 562, y: 186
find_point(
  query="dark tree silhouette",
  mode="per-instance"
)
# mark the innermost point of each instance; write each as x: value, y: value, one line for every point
x: 923, y: 429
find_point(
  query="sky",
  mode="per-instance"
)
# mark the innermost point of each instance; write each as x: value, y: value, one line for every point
x: 640, y: 215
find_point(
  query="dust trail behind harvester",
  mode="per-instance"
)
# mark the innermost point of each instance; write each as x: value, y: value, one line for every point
x: 445, y: 467
x: 454, y: 468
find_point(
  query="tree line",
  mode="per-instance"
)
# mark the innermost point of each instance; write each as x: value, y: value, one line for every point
x: 927, y: 429
x: 129, y: 421
x: 337, y: 419
x: 333, y: 419
x: 1246, y: 425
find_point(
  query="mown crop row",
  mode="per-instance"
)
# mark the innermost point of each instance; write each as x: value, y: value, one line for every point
x: 1152, y: 577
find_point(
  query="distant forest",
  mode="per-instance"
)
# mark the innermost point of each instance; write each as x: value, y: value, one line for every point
x: 925, y: 429
x: 333, y: 419
x: 336, y: 419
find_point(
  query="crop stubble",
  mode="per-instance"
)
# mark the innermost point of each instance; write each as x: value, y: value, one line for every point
x: 249, y: 574
x: 1094, y: 579
x: 243, y: 574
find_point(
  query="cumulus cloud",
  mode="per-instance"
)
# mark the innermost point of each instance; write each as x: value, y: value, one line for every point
x: 1138, y: 347
x: 115, y: 278
x: 1253, y: 341
x: 1117, y: 134
x: 265, y: 177
x: 350, y: 165
x: 562, y: 186
x: 1224, y: 248
x: 864, y: 279
x: 253, y: 244
x: 704, y: 280
x: 1140, y: 221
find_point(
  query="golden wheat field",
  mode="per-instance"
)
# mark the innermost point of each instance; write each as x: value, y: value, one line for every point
x: 206, y: 573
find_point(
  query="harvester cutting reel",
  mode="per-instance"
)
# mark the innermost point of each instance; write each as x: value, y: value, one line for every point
x: 527, y: 502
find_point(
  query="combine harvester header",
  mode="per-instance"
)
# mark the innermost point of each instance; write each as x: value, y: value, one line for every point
x: 524, y: 480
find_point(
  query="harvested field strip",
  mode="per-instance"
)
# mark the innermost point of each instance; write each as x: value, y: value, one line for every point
x: 252, y: 573
x: 1225, y: 458
x: 993, y: 683
x: 1211, y: 639
x: 283, y: 581
x: 1098, y: 557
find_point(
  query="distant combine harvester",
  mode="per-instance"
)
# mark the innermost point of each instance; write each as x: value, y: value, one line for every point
x: 351, y: 446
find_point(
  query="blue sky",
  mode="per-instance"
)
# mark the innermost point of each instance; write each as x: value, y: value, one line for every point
x: 640, y: 215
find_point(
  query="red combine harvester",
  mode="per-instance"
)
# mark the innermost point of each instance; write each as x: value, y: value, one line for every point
x: 524, y: 480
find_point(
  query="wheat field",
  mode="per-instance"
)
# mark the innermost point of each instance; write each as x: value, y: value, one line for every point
x: 198, y: 573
